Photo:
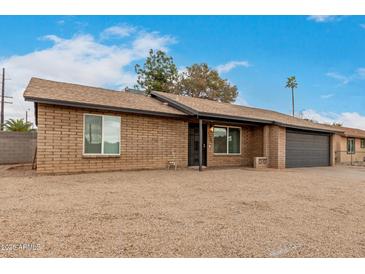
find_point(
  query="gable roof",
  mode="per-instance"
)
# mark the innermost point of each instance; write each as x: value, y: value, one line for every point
x: 59, y: 93
x: 351, y: 132
x: 214, y: 109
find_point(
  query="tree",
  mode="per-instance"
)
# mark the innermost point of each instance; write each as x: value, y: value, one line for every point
x: 292, y: 84
x: 200, y: 81
x: 18, y: 125
x: 158, y: 73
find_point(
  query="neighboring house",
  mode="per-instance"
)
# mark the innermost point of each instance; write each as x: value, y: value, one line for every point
x: 350, y: 146
x: 83, y: 128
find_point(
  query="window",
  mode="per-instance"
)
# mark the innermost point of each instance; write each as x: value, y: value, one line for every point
x: 227, y: 140
x: 362, y: 143
x: 350, y: 145
x: 220, y: 140
x: 101, y: 134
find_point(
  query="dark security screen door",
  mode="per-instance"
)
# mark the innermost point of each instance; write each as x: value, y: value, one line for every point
x: 193, y: 157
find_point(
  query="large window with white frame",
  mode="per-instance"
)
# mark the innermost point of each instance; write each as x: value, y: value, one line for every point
x: 227, y: 140
x: 101, y: 135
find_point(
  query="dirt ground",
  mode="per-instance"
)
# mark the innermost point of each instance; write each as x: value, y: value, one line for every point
x: 312, y: 212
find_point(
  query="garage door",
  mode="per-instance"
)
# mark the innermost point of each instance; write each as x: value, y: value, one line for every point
x: 307, y: 149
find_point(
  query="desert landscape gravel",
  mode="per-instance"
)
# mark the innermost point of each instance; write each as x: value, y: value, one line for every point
x: 312, y: 212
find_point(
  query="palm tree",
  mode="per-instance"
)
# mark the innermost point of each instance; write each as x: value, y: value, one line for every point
x: 292, y: 83
x: 18, y: 125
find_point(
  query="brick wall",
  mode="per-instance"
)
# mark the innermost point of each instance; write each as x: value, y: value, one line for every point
x: 266, y: 140
x: 277, y: 138
x: 147, y: 142
x: 251, y: 146
x: 332, y: 149
x: 17, y: 147
x: 256, y: 144
x: 341, y: 150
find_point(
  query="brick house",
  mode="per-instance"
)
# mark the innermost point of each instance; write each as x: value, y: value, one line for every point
x: 83, y: 128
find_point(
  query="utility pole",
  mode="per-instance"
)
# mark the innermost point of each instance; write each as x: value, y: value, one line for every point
x: 2, y: 101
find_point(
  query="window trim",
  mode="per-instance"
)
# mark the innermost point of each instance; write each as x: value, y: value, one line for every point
x: 227, y: 153
x: 362, y: 143
x: 102, y: 154
x: 347, y: 146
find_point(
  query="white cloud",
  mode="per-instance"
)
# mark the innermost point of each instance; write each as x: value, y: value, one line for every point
x: 348, y: 119
x: 80, y: 59
x: 323, y: 18
x: 224, y: 68
x: 359, y: 74
x: 118, y: 31
x: 339, y: 77
x: 327, y: 96
x: 151, y: 40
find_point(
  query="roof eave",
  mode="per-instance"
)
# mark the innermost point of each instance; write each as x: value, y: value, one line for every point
x: 353, y: 136
x: 263, y: 121
x: 308, y: 128
x: 101, y: 107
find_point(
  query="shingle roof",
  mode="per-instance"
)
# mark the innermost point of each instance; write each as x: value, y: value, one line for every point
x: 52, y: 92
x: 206, y: 107
x: 352, y: 132
x: 70, y: 94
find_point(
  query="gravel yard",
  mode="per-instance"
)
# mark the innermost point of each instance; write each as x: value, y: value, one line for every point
x: 312, y: 212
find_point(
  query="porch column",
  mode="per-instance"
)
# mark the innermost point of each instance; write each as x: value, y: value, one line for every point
x: 200, y: 144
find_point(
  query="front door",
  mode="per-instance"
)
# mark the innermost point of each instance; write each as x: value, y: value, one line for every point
x: 194, y: 145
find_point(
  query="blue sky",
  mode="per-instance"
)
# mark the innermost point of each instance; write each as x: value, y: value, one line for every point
x: 256, y: 53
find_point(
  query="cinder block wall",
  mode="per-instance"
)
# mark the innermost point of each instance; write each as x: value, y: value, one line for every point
x: 17, y: 147
x: 147, y: 142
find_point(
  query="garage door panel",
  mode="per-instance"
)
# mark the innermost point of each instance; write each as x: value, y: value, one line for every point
x: 306, y: 149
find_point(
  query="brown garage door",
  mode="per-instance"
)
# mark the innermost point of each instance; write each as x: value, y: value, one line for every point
x: 307, y: 149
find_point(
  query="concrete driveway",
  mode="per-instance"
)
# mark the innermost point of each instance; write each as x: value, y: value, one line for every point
x: 311, y: 212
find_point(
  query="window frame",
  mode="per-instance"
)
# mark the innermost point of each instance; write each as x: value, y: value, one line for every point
x: 102, y: 136
x: 362, y: 143
x: 227, y: 129
x: 347, y: 146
